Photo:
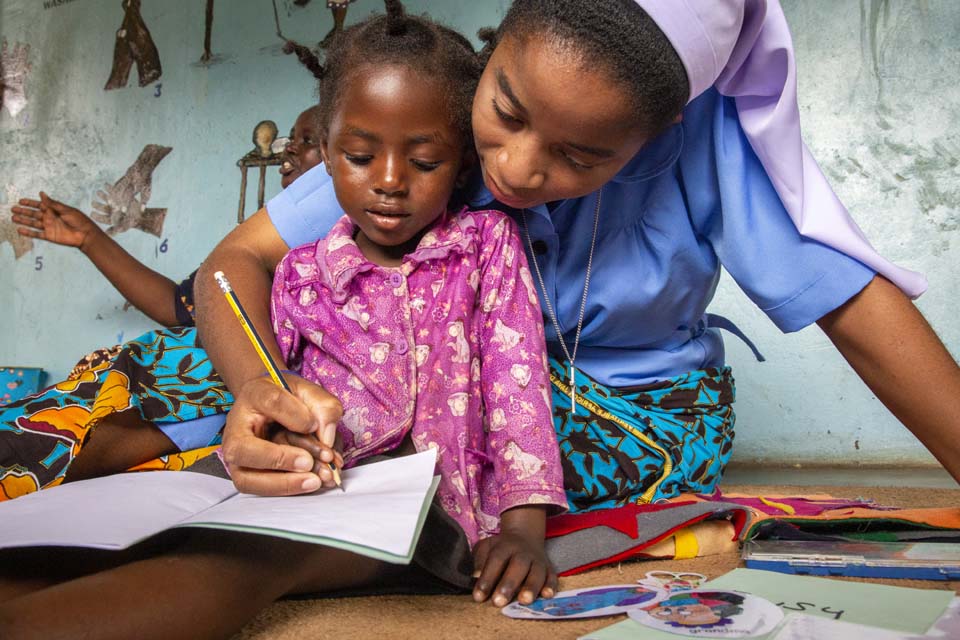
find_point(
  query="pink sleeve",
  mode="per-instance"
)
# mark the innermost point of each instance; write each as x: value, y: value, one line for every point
x: 281, y: 304
x: 514, y: 375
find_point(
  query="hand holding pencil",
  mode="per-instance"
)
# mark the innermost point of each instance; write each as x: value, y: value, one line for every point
x: 326, y: 460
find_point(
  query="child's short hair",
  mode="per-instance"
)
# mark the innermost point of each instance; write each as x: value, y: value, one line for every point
x: 619, y: 38
x: 417, y: 42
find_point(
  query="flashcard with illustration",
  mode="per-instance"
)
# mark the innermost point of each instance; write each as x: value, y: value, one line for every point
x: 672, y: 581
x: 593, y: 602
x: 8, y: 229
x: 709, y: 613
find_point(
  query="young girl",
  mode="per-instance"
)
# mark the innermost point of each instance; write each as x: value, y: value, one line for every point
x: 423, y: 319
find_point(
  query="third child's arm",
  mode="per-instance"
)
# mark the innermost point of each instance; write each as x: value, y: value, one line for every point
x: 53, y: 221
x: 893, y: 349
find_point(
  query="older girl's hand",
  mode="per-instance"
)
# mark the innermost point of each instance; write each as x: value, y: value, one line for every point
x: 259, y: 466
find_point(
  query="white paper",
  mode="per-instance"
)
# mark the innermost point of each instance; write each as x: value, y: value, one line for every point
x: 379, y: 508
x: 381, y: 504
x: 108, y: 512
x: 713, y: 613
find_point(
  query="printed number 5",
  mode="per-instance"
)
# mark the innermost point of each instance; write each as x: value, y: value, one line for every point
x: 38, y: 264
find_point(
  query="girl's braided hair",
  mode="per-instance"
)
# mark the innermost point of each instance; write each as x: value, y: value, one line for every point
x: 417, y: 42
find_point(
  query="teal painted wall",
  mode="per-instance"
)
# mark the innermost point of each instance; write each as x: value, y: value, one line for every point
x: 879, y: 110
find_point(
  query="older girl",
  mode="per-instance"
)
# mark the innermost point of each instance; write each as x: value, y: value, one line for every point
x: 641, y: 145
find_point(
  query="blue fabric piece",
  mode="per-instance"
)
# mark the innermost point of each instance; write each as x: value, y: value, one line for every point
x: 694, y: 199
x: 195, y: 434
x: 171, y: 379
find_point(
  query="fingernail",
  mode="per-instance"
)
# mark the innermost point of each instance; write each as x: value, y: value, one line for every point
x: 500, y: 600
x: 330, y: 434
x: 311, y: 484
x: 476, y: 574
x: 302, y: 463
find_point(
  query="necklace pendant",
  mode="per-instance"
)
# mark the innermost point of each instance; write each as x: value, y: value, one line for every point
x: 573, y: 390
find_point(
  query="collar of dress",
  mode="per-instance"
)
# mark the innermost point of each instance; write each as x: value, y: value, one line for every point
x: 338, y: 259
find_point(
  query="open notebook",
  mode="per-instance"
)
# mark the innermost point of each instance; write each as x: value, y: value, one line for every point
x: 379, y: 514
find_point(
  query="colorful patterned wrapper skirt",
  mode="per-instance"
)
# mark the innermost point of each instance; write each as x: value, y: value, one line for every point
x: 163, y: 375
x: 645, y: 443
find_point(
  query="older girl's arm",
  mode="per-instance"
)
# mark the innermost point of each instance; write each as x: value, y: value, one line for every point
x: 248, y: 256
x: 893, y: 349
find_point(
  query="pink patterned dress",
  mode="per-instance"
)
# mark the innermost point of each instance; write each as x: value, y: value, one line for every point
x: 447, y: 347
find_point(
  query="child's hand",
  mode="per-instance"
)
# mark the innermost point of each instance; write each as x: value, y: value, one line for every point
x: 514, y: 563
x: 323, y: 454
x: 53, y: 221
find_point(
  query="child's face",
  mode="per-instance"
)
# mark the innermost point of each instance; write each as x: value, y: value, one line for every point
x: 687, y: 614
x: 546, y: 126
x: 394, y: 158
x: 303, y: 151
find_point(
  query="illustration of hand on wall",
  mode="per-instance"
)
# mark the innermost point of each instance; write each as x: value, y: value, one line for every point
x: 8, y: 230
x: 14, y: 68
x: 123, y: 205
x: 133, y: 44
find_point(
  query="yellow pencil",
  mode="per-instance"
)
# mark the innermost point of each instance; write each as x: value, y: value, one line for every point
x: 260, y: 348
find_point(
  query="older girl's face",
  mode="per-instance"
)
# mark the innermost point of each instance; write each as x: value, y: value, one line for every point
x: 546, y: 126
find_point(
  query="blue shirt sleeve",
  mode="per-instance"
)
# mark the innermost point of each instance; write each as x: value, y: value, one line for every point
x: 307, y: 209
x: 793, y: 279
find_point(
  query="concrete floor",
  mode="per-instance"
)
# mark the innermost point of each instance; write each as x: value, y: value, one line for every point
x: 919, y: 477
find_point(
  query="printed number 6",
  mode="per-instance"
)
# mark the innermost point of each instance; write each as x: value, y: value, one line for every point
x: 38, y: 264
x: 163, y: 246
